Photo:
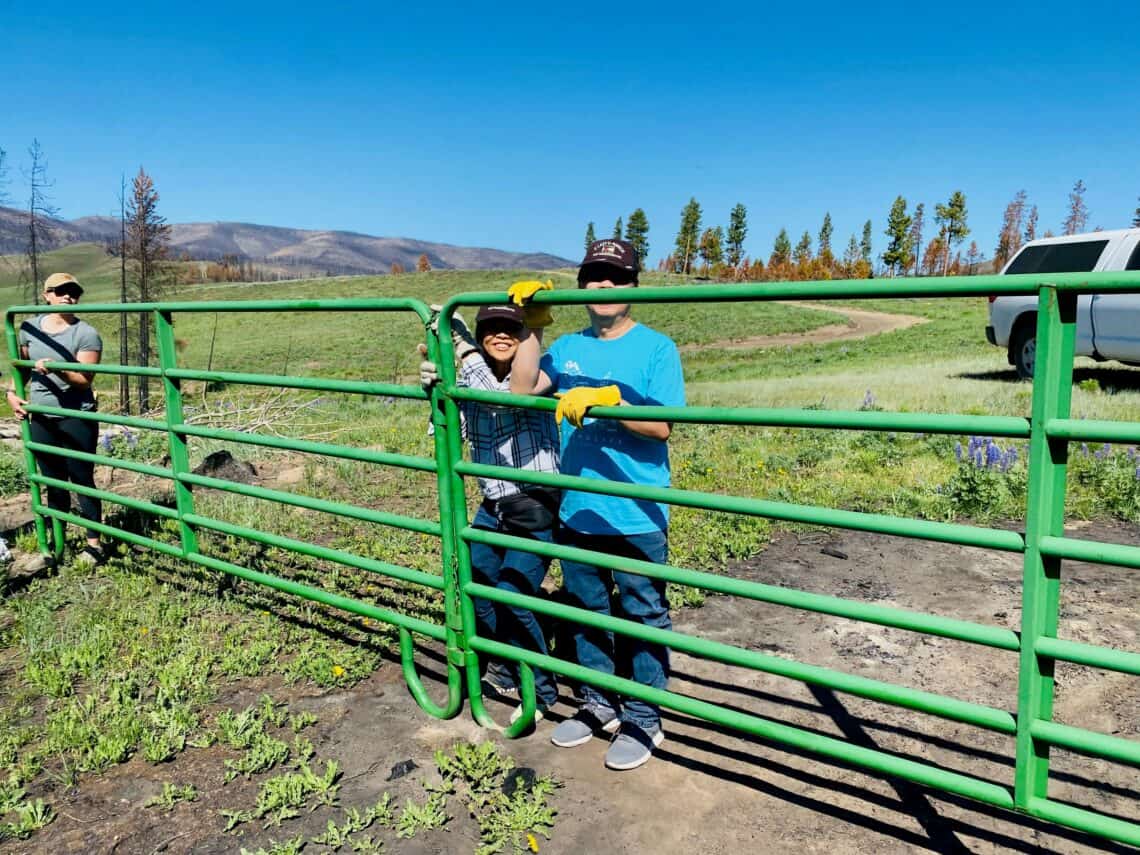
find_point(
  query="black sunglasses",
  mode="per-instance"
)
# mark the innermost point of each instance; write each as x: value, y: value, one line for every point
x: 606, y: 273
x: 64, y: 291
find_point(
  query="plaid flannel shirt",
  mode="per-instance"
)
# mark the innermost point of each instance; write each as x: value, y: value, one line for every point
x: 505, y: 436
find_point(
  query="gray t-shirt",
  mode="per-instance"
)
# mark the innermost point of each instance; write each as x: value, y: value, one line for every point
x: 64, y: 346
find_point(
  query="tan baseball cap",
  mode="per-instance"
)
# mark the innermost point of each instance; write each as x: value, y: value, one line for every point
x: 57, y: 279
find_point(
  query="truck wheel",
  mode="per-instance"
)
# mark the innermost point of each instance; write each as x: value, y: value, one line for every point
x: 1023, y: 349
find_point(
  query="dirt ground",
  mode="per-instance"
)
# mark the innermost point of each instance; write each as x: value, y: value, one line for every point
x: 860, y: 324
x: 710, y: 790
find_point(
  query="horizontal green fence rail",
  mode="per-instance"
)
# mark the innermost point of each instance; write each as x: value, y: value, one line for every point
x: 1042, y: 545
x: 963, y: 535
x: 960, y: 630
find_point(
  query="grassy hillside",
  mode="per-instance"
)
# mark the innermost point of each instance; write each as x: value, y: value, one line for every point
x: 371, y: 345
x: 88, y: 262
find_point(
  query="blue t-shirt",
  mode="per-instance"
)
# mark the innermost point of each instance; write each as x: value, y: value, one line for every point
x: 646, y: 367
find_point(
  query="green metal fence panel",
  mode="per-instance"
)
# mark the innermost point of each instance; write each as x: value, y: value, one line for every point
x: 189, y: 522
x: 1052, y: 391
x: 1043, y: 545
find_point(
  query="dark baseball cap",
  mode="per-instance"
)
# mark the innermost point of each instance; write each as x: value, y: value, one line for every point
x: 615, y: 253
x: 510, y: 312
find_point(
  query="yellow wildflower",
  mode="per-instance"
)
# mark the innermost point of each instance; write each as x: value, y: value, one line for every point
x: 532, y: 842
x: 337, y: 671
x: 143, y: 630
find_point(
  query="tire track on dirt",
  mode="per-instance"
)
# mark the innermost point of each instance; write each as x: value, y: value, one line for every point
x: 861, y: 323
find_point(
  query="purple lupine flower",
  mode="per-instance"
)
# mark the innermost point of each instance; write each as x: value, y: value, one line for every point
x: 993, y: 454
x: 958, y: 451
x: 105, y: 442
x: 868, y: 400
x: 1085, y: 449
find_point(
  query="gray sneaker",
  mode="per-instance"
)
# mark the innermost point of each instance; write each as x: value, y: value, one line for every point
x: 579, y: 729
x: 633, y: 746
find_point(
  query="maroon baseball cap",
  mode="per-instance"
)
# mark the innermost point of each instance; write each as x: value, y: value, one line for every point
x: 615, y: 253
x: 510, y: 312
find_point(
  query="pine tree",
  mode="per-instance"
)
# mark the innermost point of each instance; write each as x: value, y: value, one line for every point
x: 1031, y: 225
x: 851, y: 255
x: 1136, y: 216
x: 737, y: 231
x: 916, y: 226
x: 637, y: 233
x: 148, y: 236
x: 712, y: 248
x: 590, y: 238
x: 802, y: 253
x: 781, y: 250
x: 825, y: 232
x: 688, y: 236
x: 897, y: 254
x: 865, y: 244
x: 951, y: 219
x: 932, y: 257
x: 1009, y: 238
x: 617, y: 229
x: 1078, y: 219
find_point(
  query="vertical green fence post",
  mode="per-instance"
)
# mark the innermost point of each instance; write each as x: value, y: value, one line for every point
x: 450, y: 419
x: 448, y: 548
x: 29, y: 459
x: 179, y: 455
x: 1045, y: 516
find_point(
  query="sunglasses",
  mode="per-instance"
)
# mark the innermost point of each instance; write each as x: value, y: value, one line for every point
x: 605, y: 273
x: 64, y: 291
x: 495, y: 327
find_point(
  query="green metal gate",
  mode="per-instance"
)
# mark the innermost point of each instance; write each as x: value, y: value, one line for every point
x: 1043, y: 544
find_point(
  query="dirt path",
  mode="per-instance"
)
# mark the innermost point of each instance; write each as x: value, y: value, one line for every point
x: 711, y: 790
x: 860, y: 324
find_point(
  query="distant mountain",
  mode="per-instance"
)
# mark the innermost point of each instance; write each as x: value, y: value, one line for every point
x: 300, y: 250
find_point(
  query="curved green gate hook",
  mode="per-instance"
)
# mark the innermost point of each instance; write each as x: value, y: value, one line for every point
x: 416, y: 686
x: 519, y: 726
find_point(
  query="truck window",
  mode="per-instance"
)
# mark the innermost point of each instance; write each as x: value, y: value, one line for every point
x: 1134, y: 259
x: 1080, y: 257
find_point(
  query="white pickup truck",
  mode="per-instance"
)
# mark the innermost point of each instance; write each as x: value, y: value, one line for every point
x: 1108, y: 325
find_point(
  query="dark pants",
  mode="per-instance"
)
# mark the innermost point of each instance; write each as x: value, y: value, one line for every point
x: 518, y: 572
x: 78, y: 435
x: 640, y: 599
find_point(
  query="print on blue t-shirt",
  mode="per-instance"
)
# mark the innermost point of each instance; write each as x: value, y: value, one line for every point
x: 646, y: 366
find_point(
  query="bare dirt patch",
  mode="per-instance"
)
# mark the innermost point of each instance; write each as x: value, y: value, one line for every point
x: 860, y: 324
x: 712, y: 790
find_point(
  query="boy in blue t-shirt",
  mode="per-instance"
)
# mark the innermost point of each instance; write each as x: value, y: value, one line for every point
x: 613, y: 362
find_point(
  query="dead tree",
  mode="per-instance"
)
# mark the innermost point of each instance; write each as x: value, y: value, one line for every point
x: 40, y: 214
x: 147, y: 244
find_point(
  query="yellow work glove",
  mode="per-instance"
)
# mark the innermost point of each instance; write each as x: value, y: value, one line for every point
x: 536, y: 317
x: 572, y: 405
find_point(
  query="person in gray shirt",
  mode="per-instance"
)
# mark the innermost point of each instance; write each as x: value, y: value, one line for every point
x: 59, y: 336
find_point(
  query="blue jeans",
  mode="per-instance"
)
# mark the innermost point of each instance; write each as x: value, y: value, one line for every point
x: 641, y: 599
x: 520, y: 572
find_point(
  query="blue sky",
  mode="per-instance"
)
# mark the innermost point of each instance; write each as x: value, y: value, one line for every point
x: 512, y: 125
